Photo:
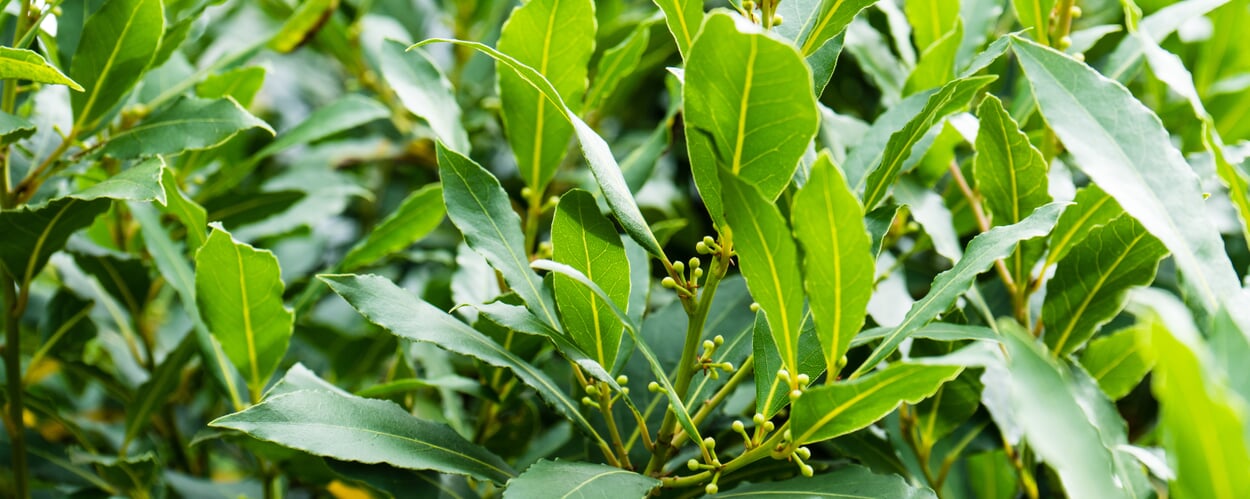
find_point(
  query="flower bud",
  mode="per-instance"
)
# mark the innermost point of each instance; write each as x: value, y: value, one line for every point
x: 669, y: 283
x: 711, y: 489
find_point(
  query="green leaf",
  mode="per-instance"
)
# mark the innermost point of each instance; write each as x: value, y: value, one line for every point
x: 871, y: 147
x: 839, y: 408
x: 802, y: 14
x: 850, y: 482
x: 733, y: 116
x: 937, y: 62
x: 347, y: 113
x: 1091, y: 283
x: 598, y: 155
x: 950, y: 99
x: 1034, y: 15
x: 657, y: 369
x: 238, y: 290
x: 1203, y: 422
x: 1118, y: 361
x: 190, y: 124
x: 419, y: 214
x: 1093, y: 208
x: 34, y: 233
x: 349, y: 428
x: 584, y: 239
x: 14, y: 128
x: 939, y: 331
x: 557, y: 38
x: 1054, y: 422
x: 565, y: 480
x: 383, y: 303
x: 117, y: 45
x: 838, y: 262
x: 425, y: 92
x: 478, y: 205
x: 302, y: 25
x: 684, y: 17
x: 931, y: 21
x: 1086, y: 111
x: 21, y: 64
x: 769, y: 261
x: 192, y: 215
x: 952, y: 406
x: 1123, y: 63
x: 824, y: 22
x: 240, y: 84
x: 123, y: 278
x: 980, y: 254
x: 173, y: 266
x: 1009, y: 171
x: 771, y: 392
x: 617, y: 64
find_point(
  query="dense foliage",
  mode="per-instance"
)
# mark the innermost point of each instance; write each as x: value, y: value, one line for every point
x: 553, y: 248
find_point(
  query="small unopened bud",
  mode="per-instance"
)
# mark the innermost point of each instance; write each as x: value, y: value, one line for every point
x: 807, y: 470
x: 679, y: 267
x: 777, y: 19
x: 708, y: 345
x: 702, y: 248
x: 622, y: 379
x: 698, y: 272
x: 755, y: 307
x: 711, y: 489
x: 695, y: 262
x: 748, y: 5
x: 727, y: 366
x: 804, y: 379
x: 624, y: 390
x: 769, y: 426
x: 738, y: 427
x: 718, y: 340
x: 709, y: 442
x: 783, y: 375
x: 1076, y: 12
x: 693, y: 465
x: 592, y: 390
x: 759, y: 419
x: 804, y: 452
x: 707, y: 240
x: 1064, y: 43
x: 654, y: 387
x: 794, y: 395
x: 668, y: 282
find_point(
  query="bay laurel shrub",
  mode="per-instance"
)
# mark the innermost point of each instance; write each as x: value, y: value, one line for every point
x: 566, y: 248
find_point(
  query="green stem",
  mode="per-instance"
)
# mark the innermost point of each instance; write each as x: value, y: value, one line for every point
x: 765, y: 449
x: 686, y: 366
x: 744, y: 372
x: 13, y: 373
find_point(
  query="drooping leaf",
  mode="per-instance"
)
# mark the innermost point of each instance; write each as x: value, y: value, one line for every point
x: 1118, y: 361
x: 569, y: 479
x: 238, y: 290
x: 1053, y: 421
x: 557, y: 38
x: 684, y: 17
x: 21, y: 64
x: 425, y: 92
x: 584, y: 239
x: 364, y: 430
x: 118, y: 43
x: 1203, y: 422
x: 385, y: 304
x: 657, y: 369
x: 769, y: 261
x: 598, y: 155
x: 1138, y: 166
x: 951, y: 98
x: 419, y: 214
x: 838, y: 262
x: 839, y: 408
x: 733, y: 116
x: 1092, y: 208
x: 34, y: 233
x: 190, y: 124
x: 848, y: 482
x: 1091, y: 283
x: 478, y: 205
x: 947, y: 286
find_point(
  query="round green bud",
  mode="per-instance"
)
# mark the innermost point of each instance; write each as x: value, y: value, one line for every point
x: 777, y: 19
x: 755, y: 307
x: 709, y: 442
x: 654, y: 387
x: 701, y: 248
x: 695, y: 262
x: 709, y: 241
x: 1076, y: 12
x: 679, y: 267
x: 759, y: 419
x: 804, y: 453
x: 794, y: 395
x: 718, y: 340
x: 711, y: 489
x: 769, y: 426
x: 708, y: 345
x: 807, y: 470
x: 738, y: 427
x: 669, y: 283
x: 698, y: 272
x: 693, y: 465
x: 622, y: 379
x: 804, y: 379
x: 592, y: 390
